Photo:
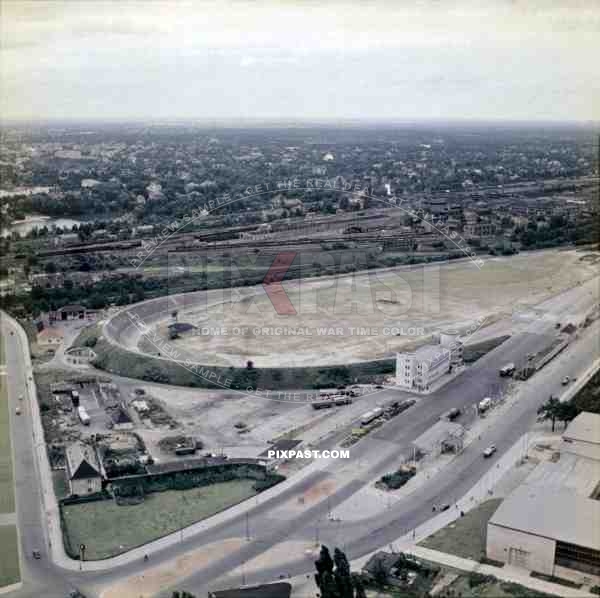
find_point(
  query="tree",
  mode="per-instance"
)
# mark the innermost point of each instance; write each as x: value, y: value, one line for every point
x: 324, y: 576
x: 338, y: 582
x: 551, y: 410
x: 342, y: 574
x: 567, y: 412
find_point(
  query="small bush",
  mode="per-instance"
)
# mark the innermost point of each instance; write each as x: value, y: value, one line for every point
x: 478, y: 579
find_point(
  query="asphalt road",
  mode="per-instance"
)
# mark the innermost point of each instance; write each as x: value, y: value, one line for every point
x: 40, y: 577
x: 361, y: 537
x: 358, y: 537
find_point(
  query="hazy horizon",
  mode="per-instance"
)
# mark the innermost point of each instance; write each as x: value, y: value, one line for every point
x: 494, y: 61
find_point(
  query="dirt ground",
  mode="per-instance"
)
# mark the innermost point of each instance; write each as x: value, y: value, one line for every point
x: 371, y: 314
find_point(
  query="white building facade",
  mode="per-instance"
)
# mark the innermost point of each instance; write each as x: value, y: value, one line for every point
x: 420, y: 369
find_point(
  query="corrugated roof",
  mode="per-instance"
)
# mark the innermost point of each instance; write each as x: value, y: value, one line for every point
x: 559, y: 515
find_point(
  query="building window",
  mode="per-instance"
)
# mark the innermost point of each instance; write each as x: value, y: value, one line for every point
x: 576, y: 557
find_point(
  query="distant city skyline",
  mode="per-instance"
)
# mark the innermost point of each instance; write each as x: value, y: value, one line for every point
x: 269, y: 61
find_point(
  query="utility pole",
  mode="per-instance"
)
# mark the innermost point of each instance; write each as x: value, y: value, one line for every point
x: 247, y: 527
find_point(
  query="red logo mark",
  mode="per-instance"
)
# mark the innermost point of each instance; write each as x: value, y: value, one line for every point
x: 273, y: 287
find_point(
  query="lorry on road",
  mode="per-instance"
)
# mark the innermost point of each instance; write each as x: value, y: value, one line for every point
x: 370, y: 416
x: 327, y: 401
x: 84, y: 418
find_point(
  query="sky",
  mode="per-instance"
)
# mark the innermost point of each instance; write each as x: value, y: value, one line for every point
x: 534, y: 60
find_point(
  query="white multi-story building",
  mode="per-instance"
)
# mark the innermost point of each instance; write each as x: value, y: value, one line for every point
x: 418, y: 370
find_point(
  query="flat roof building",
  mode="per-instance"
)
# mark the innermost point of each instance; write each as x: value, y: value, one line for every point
x: 552, y: 521
x: 420, y: 369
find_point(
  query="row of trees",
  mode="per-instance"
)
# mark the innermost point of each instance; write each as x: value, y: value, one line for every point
x: 333, y: 577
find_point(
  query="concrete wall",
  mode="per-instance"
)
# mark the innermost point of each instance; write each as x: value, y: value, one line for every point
x: 85, y: 486
x: 520, y: 549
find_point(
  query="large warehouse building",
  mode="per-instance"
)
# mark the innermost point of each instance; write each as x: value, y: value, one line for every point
x: 551, y: 523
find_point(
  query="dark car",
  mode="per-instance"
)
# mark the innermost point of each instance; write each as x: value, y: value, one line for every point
x: 37, y: 555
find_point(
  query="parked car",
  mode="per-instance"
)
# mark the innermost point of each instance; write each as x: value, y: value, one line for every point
x: 37, y: 555
x: 489, y: 451
x: 566, y: 380
x: 18, y: 411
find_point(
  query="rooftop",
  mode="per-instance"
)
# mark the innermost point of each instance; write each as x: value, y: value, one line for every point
x: 81, y: 461
x: 584, y: 428
x: 272, y: 590
x: 570, y: 472
x: 559, y: 515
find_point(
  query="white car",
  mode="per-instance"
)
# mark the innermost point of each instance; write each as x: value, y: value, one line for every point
x: 566, y: 380
x: 489, y: 451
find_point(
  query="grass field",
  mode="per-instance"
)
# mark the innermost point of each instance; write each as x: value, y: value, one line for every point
x: 7, y: 493
x: 108, y: 529
x: 9, y: 555
x: 9, y: 540
x: 466, y: 536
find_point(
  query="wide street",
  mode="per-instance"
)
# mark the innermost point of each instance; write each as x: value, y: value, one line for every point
x: 370, y: 458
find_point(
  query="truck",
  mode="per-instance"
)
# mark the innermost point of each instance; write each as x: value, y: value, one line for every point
x: 84, y: 418
x: 370, y: 416
x: 508, y: 369
x: 484, y: 404
x: 327, y: 401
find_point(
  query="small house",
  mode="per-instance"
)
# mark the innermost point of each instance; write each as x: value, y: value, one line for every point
x: 121, y: 420
x: 83, y: 469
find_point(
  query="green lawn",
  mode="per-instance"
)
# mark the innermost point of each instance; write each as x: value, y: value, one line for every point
x: 59, y: 482
x: 108, y: 529
x: 7, y: 491
x: 9, y: 555
x: 466, y: 536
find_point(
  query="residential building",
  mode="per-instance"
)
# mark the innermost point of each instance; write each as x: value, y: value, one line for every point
x: 83, y: 469
x: 121, y: 420
x: 49, y: 337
